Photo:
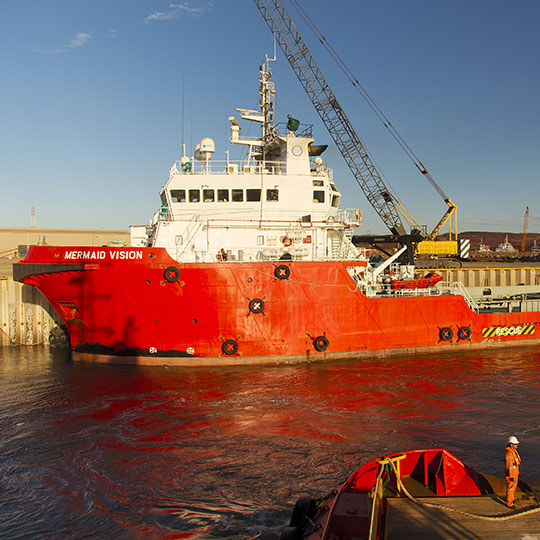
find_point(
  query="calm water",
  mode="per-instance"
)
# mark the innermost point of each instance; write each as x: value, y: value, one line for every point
x: 130, y: 452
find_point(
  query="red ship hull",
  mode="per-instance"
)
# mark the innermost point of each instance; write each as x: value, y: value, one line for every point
x: 138, y: 305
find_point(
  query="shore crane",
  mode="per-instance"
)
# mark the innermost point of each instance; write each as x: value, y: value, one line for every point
x: 389, y: 209
x: 525, y: 227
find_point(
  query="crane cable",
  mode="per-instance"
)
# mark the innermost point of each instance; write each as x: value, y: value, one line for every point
x: 367, y: 98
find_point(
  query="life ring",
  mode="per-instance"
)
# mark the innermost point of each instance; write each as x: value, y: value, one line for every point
x: 446, y: 334
x: 282, y: 271
x: 229, y: 347
x: 464, y: 332
x: 256, y: 305
x: 287, y: 241
x: 321, y: 343
x: 171, y: 274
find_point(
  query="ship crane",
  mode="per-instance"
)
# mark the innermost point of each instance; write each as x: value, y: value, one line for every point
x: 389, y: 209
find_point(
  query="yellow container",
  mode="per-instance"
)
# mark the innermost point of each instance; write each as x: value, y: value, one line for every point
x: 437, y: 247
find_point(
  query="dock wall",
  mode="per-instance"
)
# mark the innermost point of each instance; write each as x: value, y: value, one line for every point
x: 13, y: 237
x: 491, y: 276
x: 26, y: 317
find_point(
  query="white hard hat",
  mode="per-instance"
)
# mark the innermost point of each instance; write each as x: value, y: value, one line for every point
x: 512, y: 440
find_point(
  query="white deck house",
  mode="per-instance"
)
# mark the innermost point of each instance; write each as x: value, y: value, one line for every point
x: 280, y: 201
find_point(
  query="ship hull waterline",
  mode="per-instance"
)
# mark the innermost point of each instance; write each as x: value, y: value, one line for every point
x: 140, y: 306
x: 170, y: 361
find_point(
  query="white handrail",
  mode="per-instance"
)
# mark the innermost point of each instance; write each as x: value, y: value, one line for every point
x: 456, y: 287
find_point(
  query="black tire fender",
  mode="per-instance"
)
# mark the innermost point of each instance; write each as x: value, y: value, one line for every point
x: 171, y: 274
x: 282, y: 272
x: 321, y: 343
x: 256, y: 305
x: 291, y: 533
x: 464, y: 332
x: 304, y: 508
x: 229, y: 347
x: 446, y: 334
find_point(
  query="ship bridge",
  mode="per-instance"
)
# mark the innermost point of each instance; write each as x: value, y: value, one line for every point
x: 280, y: 200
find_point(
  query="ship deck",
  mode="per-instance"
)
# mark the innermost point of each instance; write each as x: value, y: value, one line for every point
x: 405, y: 519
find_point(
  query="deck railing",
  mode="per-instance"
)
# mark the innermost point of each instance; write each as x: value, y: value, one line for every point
x: 455, y: 288
x: 237, y: 167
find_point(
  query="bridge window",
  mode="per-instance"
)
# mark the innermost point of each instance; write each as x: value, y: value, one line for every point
x: 253, y: 195
x: 194, y: 195
x: 223, y: 195
x: 237, y: 195
x: 318, y: 183
x: 333, y: 187
x: 272, y: 195
x: 318, y: 196
x: 335, y: 200
x: 208, y: 195
x: 178, y: 195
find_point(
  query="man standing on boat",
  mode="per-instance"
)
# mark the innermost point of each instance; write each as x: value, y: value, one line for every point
x: 511, y: 469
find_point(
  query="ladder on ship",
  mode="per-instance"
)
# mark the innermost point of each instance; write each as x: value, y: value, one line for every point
x: 191, y: 230
x: 340, y: 245
x: 457, y: 288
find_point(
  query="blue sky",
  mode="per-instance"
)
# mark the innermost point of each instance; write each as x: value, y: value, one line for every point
x: 90, y: 101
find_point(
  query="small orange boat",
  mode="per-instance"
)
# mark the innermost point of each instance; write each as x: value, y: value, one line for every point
x: 420, y: 282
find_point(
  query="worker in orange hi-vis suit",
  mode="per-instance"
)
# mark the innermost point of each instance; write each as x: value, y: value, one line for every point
x: 511, y: 470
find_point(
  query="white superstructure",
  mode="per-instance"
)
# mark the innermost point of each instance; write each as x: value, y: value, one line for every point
x: 279, y: 202
x: 505, y: 247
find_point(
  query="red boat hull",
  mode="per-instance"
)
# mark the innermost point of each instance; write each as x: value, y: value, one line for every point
x: 364, y: 506
x: 127, y: 305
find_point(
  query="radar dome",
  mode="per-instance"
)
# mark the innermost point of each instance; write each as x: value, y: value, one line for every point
x: 203, y: 150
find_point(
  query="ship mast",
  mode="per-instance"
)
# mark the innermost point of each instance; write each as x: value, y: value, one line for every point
x: 264, y: 116
x: 267, y: 92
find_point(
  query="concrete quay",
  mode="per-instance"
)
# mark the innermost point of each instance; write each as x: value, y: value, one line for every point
x: 492, y: 276
x: 26, y: 317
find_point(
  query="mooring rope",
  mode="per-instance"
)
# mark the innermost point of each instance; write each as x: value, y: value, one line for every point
x: 501, y: 517
x: 374, y: 503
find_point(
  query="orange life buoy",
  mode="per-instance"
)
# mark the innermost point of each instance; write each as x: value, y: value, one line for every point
x: 287, y: 241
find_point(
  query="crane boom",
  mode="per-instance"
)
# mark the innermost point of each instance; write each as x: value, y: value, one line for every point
x: 331, y: 113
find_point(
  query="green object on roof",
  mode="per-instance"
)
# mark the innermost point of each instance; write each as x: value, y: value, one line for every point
x: 293, y: 123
